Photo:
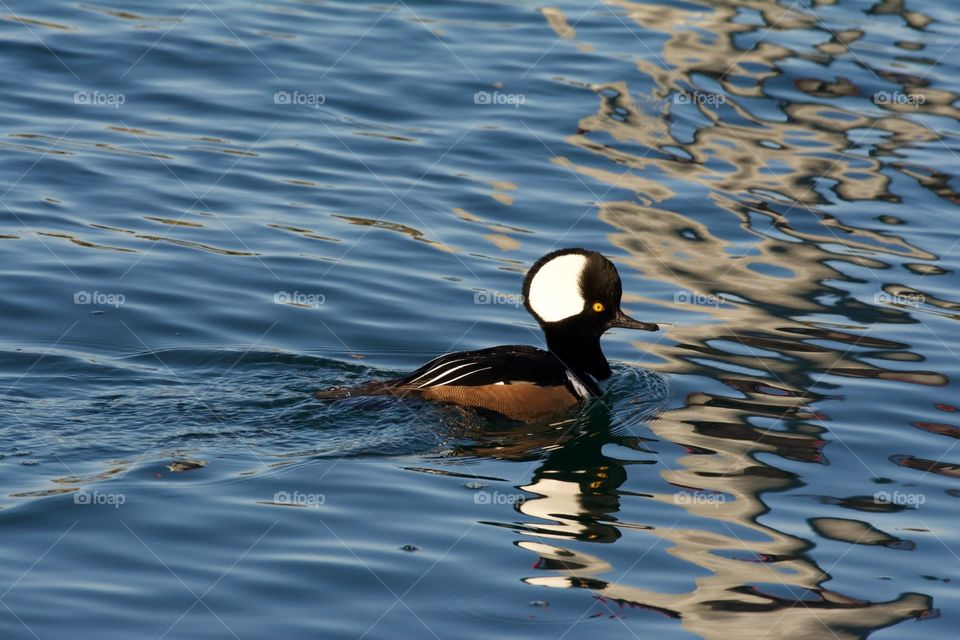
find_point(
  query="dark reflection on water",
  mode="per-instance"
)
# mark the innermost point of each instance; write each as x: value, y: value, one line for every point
x: 776, y: 181
x: 575, y: 494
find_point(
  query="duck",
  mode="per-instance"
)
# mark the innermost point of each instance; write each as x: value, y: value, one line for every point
x: 574, y: 294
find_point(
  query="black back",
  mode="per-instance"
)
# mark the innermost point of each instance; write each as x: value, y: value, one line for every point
x: 506, y: 364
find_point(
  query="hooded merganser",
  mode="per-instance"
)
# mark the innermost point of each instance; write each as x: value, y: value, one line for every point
x: 575, y: 296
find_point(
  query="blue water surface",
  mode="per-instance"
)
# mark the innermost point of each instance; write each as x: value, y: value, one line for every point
x: 209, y: 209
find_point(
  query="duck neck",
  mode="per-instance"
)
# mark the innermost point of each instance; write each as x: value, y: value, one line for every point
x: 582, y: 355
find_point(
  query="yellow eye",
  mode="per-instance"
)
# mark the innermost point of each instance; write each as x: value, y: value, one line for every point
x: 598, y: 307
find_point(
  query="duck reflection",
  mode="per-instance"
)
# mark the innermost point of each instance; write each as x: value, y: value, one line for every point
x: 575, y: 492
x: 575, y: 488
x: 761, y: 582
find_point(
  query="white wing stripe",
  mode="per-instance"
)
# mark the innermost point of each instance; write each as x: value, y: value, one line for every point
x: 444, y: 374
x: 432, y: 369
x: 469, y: 373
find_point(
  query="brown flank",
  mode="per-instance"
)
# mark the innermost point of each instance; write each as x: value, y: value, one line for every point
x: 518, y: 401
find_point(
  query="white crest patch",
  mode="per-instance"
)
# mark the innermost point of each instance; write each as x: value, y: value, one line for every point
x: 555, y: 289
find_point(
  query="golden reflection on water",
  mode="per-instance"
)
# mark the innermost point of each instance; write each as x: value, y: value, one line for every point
x: 767, y: 177
x: 575, y: 494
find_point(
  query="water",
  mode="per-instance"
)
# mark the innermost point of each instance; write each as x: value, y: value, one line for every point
x: 211, y: 209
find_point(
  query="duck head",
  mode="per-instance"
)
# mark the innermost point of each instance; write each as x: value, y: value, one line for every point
x: 575, y: 296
